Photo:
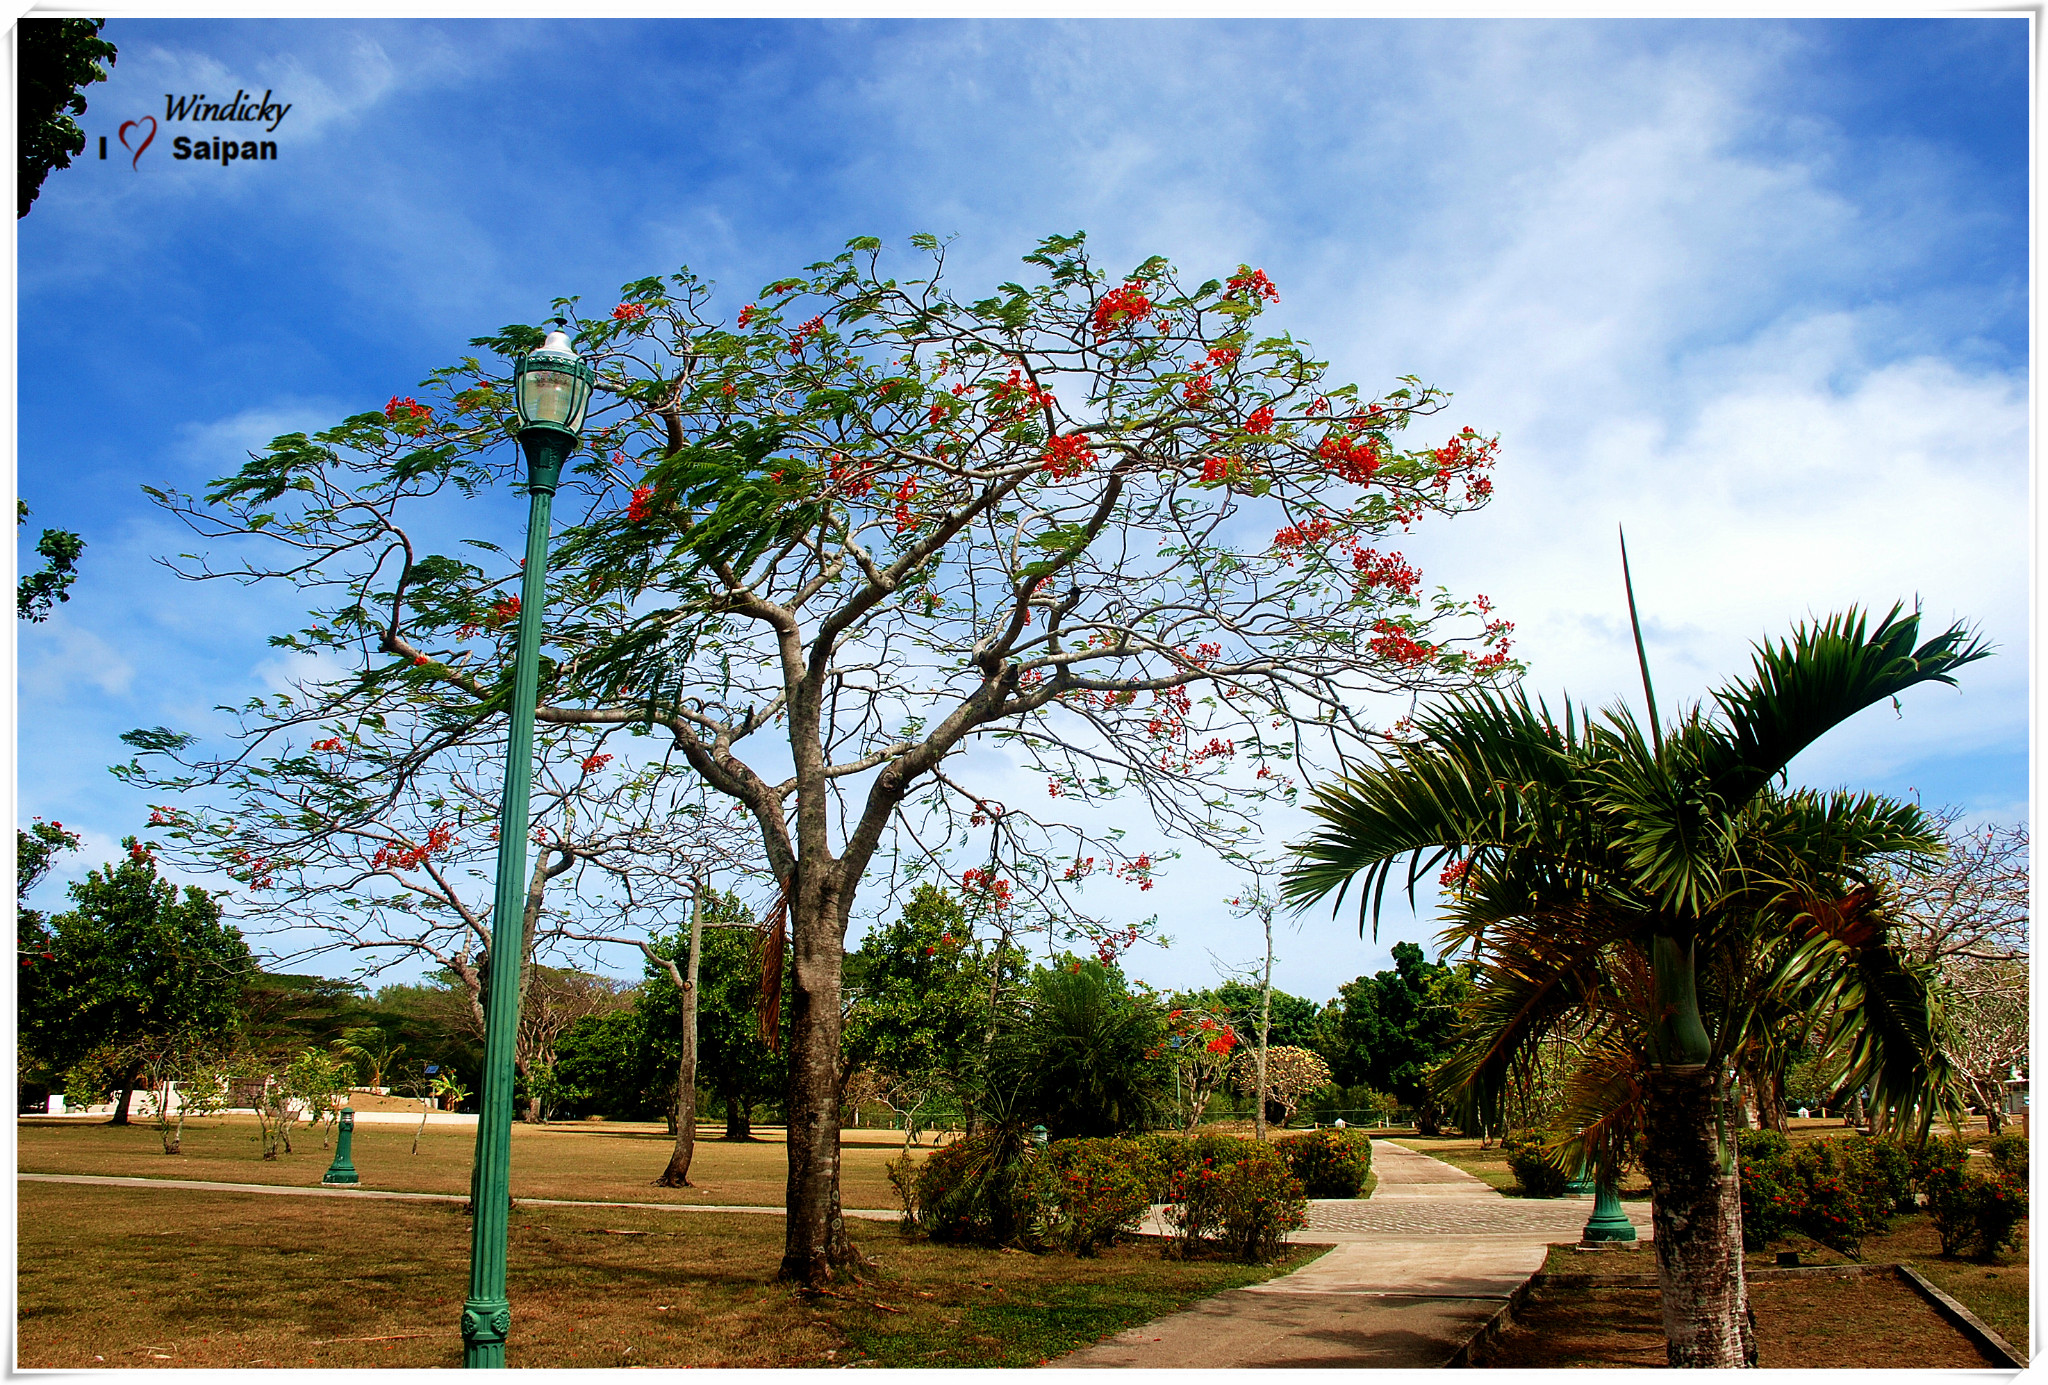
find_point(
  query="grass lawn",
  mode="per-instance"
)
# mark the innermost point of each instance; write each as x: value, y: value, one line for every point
x: 148, y: 1277
x: 603, y: 1162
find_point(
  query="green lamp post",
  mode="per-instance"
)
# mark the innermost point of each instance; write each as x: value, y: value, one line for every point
x: 342, y: 1172
x: 553, y: 390
x: 1609, y: 1223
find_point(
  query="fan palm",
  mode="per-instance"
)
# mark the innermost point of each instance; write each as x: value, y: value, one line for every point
x: 1609, y: 881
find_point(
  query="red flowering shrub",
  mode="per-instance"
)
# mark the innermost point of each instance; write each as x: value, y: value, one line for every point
x: 1329, y: 1163
x: 1087, y: 1194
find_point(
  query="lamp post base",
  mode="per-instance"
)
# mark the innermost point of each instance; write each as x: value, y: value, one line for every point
x: 1608, y: 1222
x: 485, y: 1325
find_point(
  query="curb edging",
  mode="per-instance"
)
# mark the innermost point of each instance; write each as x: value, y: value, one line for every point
x: 1966, y: 1322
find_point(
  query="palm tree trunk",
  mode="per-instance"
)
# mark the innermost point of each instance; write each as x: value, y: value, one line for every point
x: 1697, y: 1212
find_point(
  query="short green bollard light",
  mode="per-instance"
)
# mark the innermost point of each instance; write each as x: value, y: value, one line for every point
x: 1608, y: 1222
x: 1038, y: 1136
x: 341, y: 1170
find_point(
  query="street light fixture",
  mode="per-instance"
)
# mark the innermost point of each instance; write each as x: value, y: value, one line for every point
x: 552, y: 387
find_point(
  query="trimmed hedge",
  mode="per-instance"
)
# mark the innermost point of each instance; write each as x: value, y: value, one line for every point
x: 1221, y: 1192
x: 1534, y: 1172
x: 1329, y: 1163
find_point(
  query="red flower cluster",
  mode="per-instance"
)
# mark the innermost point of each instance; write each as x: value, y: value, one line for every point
x: 1026, y: 394
x: 1467, y: 455
x: 1173, y: 715
x: 1223, y: 357
x: 406, y: 408
x: 331, y: 743
x: 1067, y: 457
x: 1138, y: 872
x: 160, y: 817
x: 1119, y: 306
x: 503, y: 612
x: 905, y: 493
x: 138, y: 852
x: 1453, y: 875
x: 746, y: 315
x: 850, y: 479
x: 1260, y: 424
x: 439, y: 839
x: 1198, y: 390
x: 626, y: 312
x: 594, y: 763
x: 1303, y: 535
x: 1391, y: 641
x: 1080, y: 870
x: 1252, y: 282
x: 1110, y: 944
x: 987, y: 883
x: 641, y: 505
x: 1389, y: 571
x: 803, y: 334
x: 1349, y: 459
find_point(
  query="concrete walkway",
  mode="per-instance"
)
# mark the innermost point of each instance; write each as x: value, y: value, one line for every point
x: 1418, y: 1270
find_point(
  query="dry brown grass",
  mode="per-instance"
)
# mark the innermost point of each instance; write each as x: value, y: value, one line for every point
x: 171, y: 1277
x: 585, y: 1162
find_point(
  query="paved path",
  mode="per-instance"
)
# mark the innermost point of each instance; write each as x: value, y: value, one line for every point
x: 1418, y: 1269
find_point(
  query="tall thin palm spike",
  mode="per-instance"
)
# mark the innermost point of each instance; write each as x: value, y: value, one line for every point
x: 1642, y: 659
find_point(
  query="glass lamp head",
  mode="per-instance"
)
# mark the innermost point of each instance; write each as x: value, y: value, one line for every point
x: 552, y: 385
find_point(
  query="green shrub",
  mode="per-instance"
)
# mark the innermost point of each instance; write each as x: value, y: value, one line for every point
x: 1978, y: 1216
x: 974, y: 1190
x: 1840, y: 1201
x: 1085, y: 1194
x: 1329, y: 1163
x: 1835, y: 1191
x: 1241, y: 1197
x: 1768, y: 1203
x: 2009, y: 1153
x: 1890, y: 1172
x: 1973, y: 1214
x: 1536, y: 1175
x: 1176, y: 1154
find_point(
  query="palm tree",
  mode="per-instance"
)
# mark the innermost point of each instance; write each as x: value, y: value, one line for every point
x: 1610, y: 881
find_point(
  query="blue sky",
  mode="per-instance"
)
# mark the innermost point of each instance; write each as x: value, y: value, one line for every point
x: 1755, y: 289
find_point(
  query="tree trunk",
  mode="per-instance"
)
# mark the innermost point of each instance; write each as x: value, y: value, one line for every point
x: 815, y: 1245
x: 737, y: 1124
x: 1771, y: 1094
x: 1265, y: 1027
x: 122, y: 1097
x: 683, y: 1113
x: 1697, y: 1209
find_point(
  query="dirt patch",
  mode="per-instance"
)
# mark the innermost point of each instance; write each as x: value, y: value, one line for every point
x: 1801, y: 1324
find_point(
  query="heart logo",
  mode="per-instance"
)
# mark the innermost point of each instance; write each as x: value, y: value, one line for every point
x: 138, y: 148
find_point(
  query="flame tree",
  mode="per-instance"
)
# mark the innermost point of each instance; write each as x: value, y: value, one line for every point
x: 1107, y: 527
